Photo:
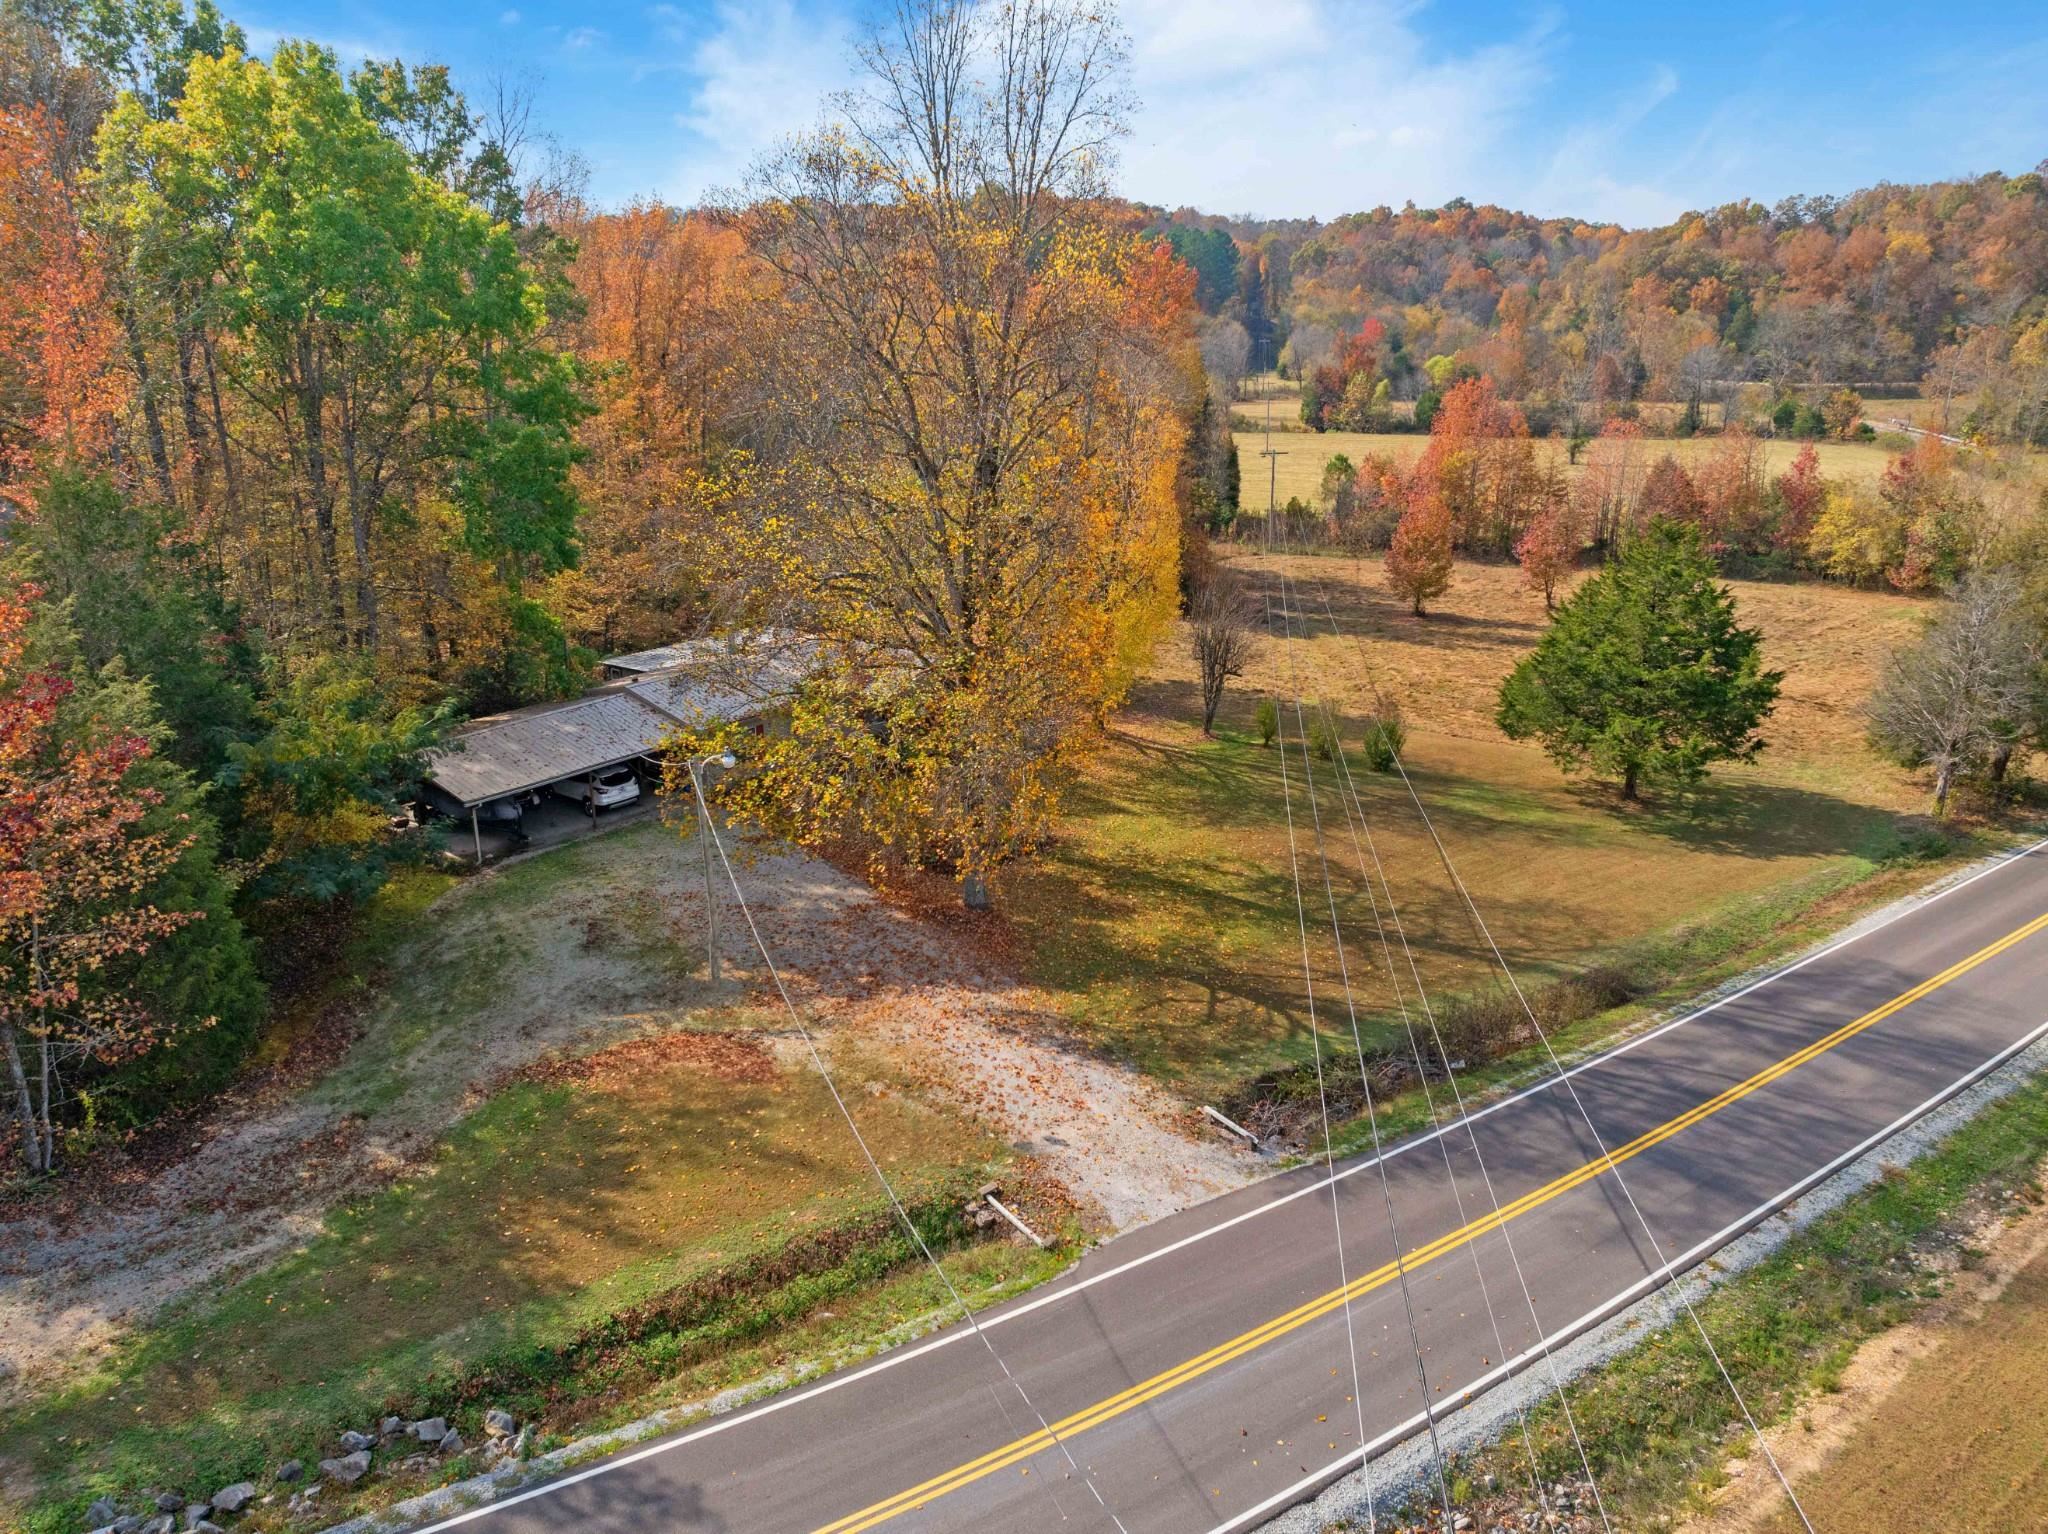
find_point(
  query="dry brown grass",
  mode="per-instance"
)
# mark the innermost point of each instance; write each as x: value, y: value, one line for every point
x: 1304, y: 454
x: 1164, y: 912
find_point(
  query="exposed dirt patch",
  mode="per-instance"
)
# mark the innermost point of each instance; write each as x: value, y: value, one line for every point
x: 727, y: 1056
x: 1940, y: 1422
x: 933, y: 1000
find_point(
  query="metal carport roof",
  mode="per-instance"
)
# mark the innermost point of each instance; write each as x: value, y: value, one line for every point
x: 494, y: 758
x: 513, y: 753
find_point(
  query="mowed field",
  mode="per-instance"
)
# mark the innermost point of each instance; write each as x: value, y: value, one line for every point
x: 1303, y: 455
x: 1163, y: 914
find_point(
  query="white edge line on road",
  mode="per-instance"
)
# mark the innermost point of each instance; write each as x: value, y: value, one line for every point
x: 1617, y: 1303
x: 900, y: 1356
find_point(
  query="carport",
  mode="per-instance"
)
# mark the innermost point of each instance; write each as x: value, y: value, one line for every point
x: 499, y: 760
x: 495, y: 762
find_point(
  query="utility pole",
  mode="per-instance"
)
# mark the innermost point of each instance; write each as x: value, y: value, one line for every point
x: 1272, y: 456
x: 724, y: 759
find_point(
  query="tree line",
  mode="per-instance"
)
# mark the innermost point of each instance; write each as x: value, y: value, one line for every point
x: 1967, y: 527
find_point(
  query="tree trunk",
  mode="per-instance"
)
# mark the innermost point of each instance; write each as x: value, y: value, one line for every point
x: 24, y: 1100
x: 1628, y: 782
x: 359, y: 533
x: 2001, y: 758
x: 1944, y: 781
x: 152, y: 418
x: 197, y: 456
x: 974, y: 892
x: 49, y: 1129
x: 313, y: 430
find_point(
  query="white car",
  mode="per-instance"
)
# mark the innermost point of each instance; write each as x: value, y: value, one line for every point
x: 601, y: 790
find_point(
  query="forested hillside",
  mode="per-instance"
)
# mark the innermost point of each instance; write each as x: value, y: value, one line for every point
x: 1943, y: 285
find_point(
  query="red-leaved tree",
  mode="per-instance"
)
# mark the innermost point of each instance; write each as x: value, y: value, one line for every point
x: 1548, y: 549
x: 1801, y: 493
x: 1419, y: 562
x: 77, y: 864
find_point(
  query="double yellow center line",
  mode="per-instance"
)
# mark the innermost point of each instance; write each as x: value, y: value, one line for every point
x: 1159, y: 1384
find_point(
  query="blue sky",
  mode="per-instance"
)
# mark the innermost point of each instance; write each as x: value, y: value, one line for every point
x: 1632, y: 112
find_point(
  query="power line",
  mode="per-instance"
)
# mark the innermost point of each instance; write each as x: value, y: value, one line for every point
x: 902, y: 1214
x: 1356, y: 820
x: 1564, y: 1078
x: 1322, y: 1097
x: 1371, y: 1108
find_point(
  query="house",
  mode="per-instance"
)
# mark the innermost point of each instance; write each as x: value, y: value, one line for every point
x: 491, y: 768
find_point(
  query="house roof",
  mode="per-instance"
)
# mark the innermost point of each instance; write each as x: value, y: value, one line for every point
x: 515, y: 752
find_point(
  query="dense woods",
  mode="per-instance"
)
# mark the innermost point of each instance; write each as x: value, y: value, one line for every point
x: 1944, y: 285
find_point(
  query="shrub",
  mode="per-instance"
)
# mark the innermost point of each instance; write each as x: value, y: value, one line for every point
x: 1323, y: 738
x: 1385, y: 735
x: 1484, y: 1027
x: 1267, y: 720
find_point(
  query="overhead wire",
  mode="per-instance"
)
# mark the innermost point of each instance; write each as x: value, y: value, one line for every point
x: 1323, y: 1099
x: 1372, y: 1110
x: 959, y: 1301
x: 1356, y: 821
x: 1665, y: 1268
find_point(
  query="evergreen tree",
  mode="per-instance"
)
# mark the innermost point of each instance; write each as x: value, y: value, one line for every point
x: 168, y: 1019
x: 139, y: 593
x: 1645, y: 674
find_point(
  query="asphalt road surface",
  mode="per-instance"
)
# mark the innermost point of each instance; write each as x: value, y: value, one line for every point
x: 1201, y: 1369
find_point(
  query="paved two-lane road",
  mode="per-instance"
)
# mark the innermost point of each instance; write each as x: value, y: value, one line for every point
x: 1201, y: 1369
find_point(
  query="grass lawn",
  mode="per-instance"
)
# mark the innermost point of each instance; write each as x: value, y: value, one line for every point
x: 1303, y: 455
x: 551, y: 1207
x: 577, y: 1190
x: 1163, y: 915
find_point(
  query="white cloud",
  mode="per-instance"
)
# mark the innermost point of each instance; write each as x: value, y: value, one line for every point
x: 761, y: 73
x: 508, y: 18
x: 579, y: 39
x: 1321, y: 108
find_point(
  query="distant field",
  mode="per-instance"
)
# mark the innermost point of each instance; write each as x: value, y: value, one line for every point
x: 1303, y: 455
x: 1162, y: 917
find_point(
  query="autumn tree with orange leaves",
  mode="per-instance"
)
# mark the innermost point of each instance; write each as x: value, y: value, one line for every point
x: 1481, y: 467
x: 57, y: 391
x: 1418, y: 564
x: 1548, y: 549
x: 971, y: 394
x: 659, y: 290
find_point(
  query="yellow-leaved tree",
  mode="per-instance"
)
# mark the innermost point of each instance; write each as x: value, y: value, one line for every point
x: 969, y: 390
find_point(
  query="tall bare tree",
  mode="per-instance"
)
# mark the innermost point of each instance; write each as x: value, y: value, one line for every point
x: 1222, y: 629
x: 1958, y: 699
x: 1226, y: 351
x: 965, y: 382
